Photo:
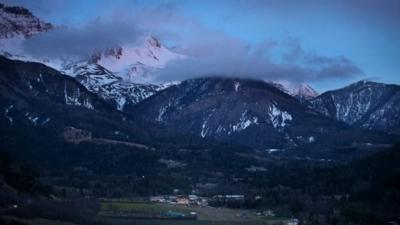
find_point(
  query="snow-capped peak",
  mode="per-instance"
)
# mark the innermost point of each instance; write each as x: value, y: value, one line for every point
x: 300, y: 90
x: 90, y: 74
x: 113, y: 74
x: 304, y: 90
x: 138, y: 63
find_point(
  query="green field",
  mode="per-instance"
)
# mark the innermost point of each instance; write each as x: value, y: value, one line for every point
x: 115, y: 221
x: 141, y: 207
x: 205, y: 215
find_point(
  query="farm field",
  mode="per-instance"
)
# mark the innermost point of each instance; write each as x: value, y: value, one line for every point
x: 141, y: 207
x: 115, y: 221
x: 205, y: 215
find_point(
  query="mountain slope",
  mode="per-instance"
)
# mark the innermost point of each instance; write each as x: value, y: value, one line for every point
x: 55, y: 124
x: 34, y: 95
x: 110, y: 87
x: 247, y: 112
x: 16, y: 181
x: 121, y: 75
x: 364, y: 104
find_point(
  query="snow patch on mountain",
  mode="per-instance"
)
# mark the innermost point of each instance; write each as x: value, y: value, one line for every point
x: 74, y: 98
x: 243, y: 123
x: 123, y: 93
x: 34, y: 119
x: 237, y: 85
x: 299, y: 90
x: 168, y: 84
x: 45, y: 121
x: 6, y: 111
x: 278, y: 118
x: 162, y: 112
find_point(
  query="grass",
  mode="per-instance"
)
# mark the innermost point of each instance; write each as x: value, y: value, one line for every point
x: 205, y: 215
x: 140, y: 207
x: 115, y: 221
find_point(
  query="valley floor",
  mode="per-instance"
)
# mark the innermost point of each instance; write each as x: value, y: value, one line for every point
x: 204, y: 215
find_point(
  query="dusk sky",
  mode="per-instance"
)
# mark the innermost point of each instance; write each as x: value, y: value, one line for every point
x: 325, y: 43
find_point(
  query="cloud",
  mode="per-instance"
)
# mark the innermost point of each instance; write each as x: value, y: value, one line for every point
x: 221, y: 55
x: 210, y: 51
x: 82, y: 41
x: 122, y: 24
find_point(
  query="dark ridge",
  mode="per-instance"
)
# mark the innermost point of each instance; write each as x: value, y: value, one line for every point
x: 16, y: 10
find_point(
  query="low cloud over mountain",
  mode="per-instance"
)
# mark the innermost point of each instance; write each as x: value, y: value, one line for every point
x: 210, y: 52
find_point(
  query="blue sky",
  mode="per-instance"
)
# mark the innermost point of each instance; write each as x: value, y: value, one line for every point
x: 364, y: 32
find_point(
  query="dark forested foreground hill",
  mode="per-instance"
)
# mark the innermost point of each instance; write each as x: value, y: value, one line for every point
x: 16, y: 181
x: 366, y: 191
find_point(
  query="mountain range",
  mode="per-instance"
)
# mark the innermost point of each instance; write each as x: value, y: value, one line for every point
x: 113, y: 85
x: 81, y: 135
x: 249, y: 112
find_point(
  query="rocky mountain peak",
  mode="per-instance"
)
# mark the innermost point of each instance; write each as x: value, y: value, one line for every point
x: 137, y: 63
x: 154, y: 42
x: 364, y: 84
x: 19, y: 21
x: 299, y: 90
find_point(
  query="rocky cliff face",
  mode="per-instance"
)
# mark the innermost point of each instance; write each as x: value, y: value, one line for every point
x: 18, y: 21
